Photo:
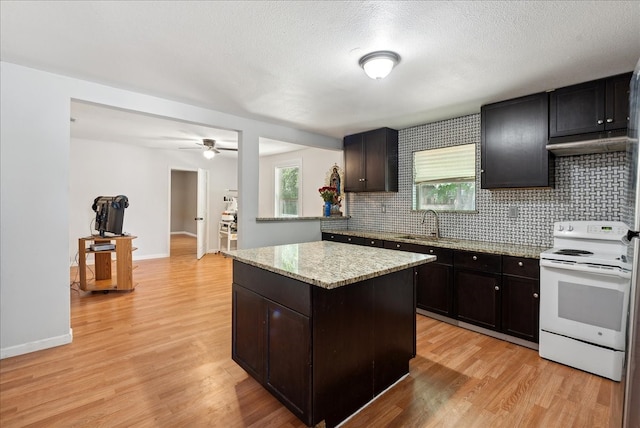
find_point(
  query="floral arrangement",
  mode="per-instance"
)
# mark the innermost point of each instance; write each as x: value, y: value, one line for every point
x: 328, y: 193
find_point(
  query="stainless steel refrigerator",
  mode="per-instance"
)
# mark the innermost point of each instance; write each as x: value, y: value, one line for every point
x: 631, y: 414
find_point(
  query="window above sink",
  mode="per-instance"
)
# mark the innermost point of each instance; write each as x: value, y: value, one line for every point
x: 444, y: 179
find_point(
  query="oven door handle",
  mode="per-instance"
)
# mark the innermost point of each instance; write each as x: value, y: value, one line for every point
x: 614, y: 271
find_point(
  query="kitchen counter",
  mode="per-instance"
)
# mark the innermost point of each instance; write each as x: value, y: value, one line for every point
x: 325, y: 327
x: 527, y: 251
x: 328, y: 264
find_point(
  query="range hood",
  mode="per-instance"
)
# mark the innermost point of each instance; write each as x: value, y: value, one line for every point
x: 589, y: 143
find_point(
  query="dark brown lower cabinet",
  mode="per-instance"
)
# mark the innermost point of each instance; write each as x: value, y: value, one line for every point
x: 478, y: 298
x: 249, y: 331
x: 288, y: 357
x: 434, y: 288
x: 323, y: 353
x: 521, y: 297
x: 462, y: 285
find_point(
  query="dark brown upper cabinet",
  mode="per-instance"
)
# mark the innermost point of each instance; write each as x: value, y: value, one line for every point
x: 371, y: 161
x: 596, y: 107
x: 514, y: 139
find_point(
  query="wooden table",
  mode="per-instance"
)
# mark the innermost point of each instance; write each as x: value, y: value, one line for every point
x: 103, y: 274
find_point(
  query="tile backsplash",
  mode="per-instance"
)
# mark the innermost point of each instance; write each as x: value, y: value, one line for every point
x: 587, y: 187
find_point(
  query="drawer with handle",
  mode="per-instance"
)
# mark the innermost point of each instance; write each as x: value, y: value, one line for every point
x: 478, y: 261
x: 520, y: 266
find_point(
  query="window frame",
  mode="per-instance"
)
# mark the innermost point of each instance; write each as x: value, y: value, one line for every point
x: 454, y: 180
x: 292, y: 163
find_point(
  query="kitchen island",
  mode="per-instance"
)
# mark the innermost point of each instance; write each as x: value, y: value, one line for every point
x: 325, y: 327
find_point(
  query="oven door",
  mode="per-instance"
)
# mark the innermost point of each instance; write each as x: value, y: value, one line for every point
x: 588, y: 304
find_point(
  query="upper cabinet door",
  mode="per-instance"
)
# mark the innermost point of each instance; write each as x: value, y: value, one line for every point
x: 617, y: 101
x: 596, y: 106
x: 577, y: 109
x: 371, y: 161
x: 381, y: 160
x: 353, y: 163
x: 514, y: 139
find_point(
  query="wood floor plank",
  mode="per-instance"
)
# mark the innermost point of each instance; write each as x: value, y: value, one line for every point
x: 160, y: 356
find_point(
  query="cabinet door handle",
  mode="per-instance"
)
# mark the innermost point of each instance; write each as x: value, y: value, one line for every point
x: 373, y: 242
x: 609, y: 120
x: 536, y: 295
x: 520, y: 264
x: 198, y: 218
x: 332, y: 237
x: 496, y: 288
x: 600, y: 122
x: 475, y: 257
x: 397, y: 245
x: 431, y: 251
x: 349, y: 239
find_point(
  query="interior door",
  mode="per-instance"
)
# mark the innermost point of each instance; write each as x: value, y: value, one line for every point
x: 201, y: 212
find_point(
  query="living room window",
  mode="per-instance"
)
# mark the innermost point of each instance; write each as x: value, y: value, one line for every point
x: 288, y: 179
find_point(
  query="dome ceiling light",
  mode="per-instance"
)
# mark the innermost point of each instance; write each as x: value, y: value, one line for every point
x: 379, y: 64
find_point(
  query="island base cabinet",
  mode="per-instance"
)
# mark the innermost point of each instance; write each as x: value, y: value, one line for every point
x: 288, y: 369
x: 342, y: 350
x: 249, y: 331
x: 272, y: 343
x: 335, y: 352
x: 394, y: 343
x: 363, y: 339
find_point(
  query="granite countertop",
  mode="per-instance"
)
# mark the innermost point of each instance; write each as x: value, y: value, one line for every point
x: 329, y: 264
x: 527, y: 251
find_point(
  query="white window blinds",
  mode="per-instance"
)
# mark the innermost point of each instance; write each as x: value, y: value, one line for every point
x: 449, y: 164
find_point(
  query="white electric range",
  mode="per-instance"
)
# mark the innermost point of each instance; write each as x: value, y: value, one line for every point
x: 585, y: 281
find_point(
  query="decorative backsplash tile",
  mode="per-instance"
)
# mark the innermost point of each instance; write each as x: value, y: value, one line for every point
x: 588, y: 187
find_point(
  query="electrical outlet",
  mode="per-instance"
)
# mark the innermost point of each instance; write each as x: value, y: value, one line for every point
x: 513, y: 212
x: 384, y: 208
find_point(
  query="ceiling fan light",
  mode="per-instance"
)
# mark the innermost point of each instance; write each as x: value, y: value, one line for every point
x: 209, y: 154
x: 377, y: 65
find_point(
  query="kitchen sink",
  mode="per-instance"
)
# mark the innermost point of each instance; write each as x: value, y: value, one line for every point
x: 425, y: 238
x: 419, y: 237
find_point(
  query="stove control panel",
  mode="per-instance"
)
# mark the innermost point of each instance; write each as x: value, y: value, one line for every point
x: 612, y: 230
x: 602, y: 229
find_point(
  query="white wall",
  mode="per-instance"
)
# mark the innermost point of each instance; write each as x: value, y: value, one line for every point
x: 144, y: 176
x: 316, y: 163
x: 35, y: 197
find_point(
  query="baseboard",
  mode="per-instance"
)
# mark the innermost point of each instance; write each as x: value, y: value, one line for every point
x: 151, y: 256
x: 185, y: 233
x: 38, y: 345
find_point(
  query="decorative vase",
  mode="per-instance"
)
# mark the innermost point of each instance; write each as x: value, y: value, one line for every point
x: 327, y: 209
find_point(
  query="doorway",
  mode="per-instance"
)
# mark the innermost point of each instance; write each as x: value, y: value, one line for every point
x: 188, y: 210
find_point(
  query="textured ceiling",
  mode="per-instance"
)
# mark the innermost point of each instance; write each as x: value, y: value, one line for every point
x: 296, y: 62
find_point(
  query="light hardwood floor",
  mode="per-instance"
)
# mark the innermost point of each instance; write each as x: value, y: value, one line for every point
x: 160, y: 357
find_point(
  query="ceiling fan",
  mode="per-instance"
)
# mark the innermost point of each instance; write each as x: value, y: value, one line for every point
x: 211, y: 149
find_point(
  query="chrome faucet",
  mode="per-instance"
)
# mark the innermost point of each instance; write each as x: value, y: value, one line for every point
x: 435, y: 214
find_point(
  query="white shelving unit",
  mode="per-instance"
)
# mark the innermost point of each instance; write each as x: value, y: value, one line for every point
x: 228, y: 231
